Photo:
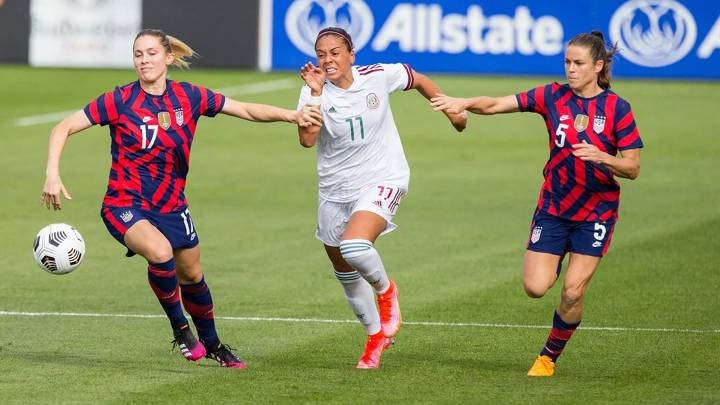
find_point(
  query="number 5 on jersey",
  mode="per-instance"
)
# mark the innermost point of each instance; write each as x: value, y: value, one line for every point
x: 144, y: 128
x: 560, y: 135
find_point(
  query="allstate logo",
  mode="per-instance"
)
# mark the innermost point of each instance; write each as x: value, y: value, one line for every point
x: 305, y: 18
x: 653, y: 33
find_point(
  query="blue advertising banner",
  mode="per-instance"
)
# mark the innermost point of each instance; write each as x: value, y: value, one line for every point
x: 657, y: 38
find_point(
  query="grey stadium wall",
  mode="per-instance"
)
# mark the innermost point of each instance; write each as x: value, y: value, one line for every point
x: 223, y: 32
x: 14, y: 31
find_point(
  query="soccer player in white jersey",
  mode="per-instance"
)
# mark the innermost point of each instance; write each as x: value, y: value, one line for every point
x: 363, y: 174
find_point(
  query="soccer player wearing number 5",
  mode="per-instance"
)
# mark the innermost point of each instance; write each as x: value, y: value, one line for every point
x: 152, y: 124
x: 588, y: 125
x: 363, y: 174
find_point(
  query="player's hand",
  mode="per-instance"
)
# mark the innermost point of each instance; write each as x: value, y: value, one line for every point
x: 458, y: 121
x: 313, y: 76
x: 589, y: 152
x: 50, y: 196
x: 447, y: 104
x: 309, y: 115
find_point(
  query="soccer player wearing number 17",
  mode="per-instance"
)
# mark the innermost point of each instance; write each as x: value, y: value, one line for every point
x: 363, y: 174
x: 588, y: 124
x: 152, y: 125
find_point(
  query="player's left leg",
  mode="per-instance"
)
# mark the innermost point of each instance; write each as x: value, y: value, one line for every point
x: 568, y: 315
x: 357, y: 249
x: 361, y: 298
x: 197, y: 301
x: 371, y: 217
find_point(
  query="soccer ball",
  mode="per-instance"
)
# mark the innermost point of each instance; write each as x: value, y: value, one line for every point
x: 58, y: 248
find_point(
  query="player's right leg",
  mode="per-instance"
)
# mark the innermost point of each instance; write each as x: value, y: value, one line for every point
x: 361, y: 298
x: 546, y: 248
x: 133, y: 230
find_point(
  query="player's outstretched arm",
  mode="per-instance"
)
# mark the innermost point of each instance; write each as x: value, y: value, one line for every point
x: 429, y: 89
x: 269, y: 113
x: 479, y: 105
x: 626, y: 166
x: 75, y: 123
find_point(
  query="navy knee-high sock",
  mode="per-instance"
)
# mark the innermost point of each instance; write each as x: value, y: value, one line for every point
x: 559, y: 335
x: 198, y: 303
x: 164, y: 283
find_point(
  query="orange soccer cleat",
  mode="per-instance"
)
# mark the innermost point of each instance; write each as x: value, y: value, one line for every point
x: 389, y: 308
x: 373, y: 350
x: 543, y: 367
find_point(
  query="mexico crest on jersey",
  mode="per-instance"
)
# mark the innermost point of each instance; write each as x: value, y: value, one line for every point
x: 536, y: 234
x: 179, y: 119
x: 599, y: 124
x: 164, y: 119
x: 581, y: 122
x: 372, y: 101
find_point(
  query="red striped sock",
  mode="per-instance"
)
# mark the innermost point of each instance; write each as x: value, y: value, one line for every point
x: 560, y: 333
x: 164, y: 283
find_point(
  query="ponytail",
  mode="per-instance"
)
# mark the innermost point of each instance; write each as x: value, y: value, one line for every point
x: 595, y: 41
x: 182, y: 52
x: 180, y: 49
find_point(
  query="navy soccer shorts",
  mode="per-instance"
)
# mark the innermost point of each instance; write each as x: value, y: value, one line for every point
x: 177, y: 227
x: 557, y: 236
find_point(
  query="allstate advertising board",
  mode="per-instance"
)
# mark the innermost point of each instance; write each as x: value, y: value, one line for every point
x: 657, y: 38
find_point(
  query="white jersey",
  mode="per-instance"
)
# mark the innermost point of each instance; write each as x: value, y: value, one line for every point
x: 359, y: 145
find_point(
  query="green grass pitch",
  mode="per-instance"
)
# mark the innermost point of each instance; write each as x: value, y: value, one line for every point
x: 457, y: 258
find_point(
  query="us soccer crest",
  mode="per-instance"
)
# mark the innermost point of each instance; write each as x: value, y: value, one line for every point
x: 372, y: 101
x: 164, y: 119
x: 581, y: 122
x: 599, y: 124
x: 126, y: 216
x: 179, y: 119
x: 536, y: 234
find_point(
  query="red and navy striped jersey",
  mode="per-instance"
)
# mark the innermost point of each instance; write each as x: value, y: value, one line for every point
x: 151, y: 138
x: 575, y: 189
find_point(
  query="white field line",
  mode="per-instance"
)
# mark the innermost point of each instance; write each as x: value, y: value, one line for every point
x: 315, y: 320
x: 240, y: 90
x: 260, y: 87
x: 42, y: 118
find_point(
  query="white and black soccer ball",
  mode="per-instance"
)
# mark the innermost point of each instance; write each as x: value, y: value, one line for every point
x: 58, y: 248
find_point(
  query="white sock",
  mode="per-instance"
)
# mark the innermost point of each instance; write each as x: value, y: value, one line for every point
x: 361, y: 298
x: 363, y: 257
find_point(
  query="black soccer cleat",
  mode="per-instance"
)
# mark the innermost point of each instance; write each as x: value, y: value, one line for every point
x: 225, y: 357
x: 190, y: 347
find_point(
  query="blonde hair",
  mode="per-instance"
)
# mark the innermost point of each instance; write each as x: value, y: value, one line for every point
x: 180, y: 49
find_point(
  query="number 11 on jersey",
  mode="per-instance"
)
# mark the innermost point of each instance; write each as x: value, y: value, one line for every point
x: 352, y: 127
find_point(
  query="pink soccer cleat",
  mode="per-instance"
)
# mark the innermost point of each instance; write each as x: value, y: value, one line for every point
x: 190, y: 347
x: 389, y: 308
x: 225, y: 357
x: 374, y: 347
